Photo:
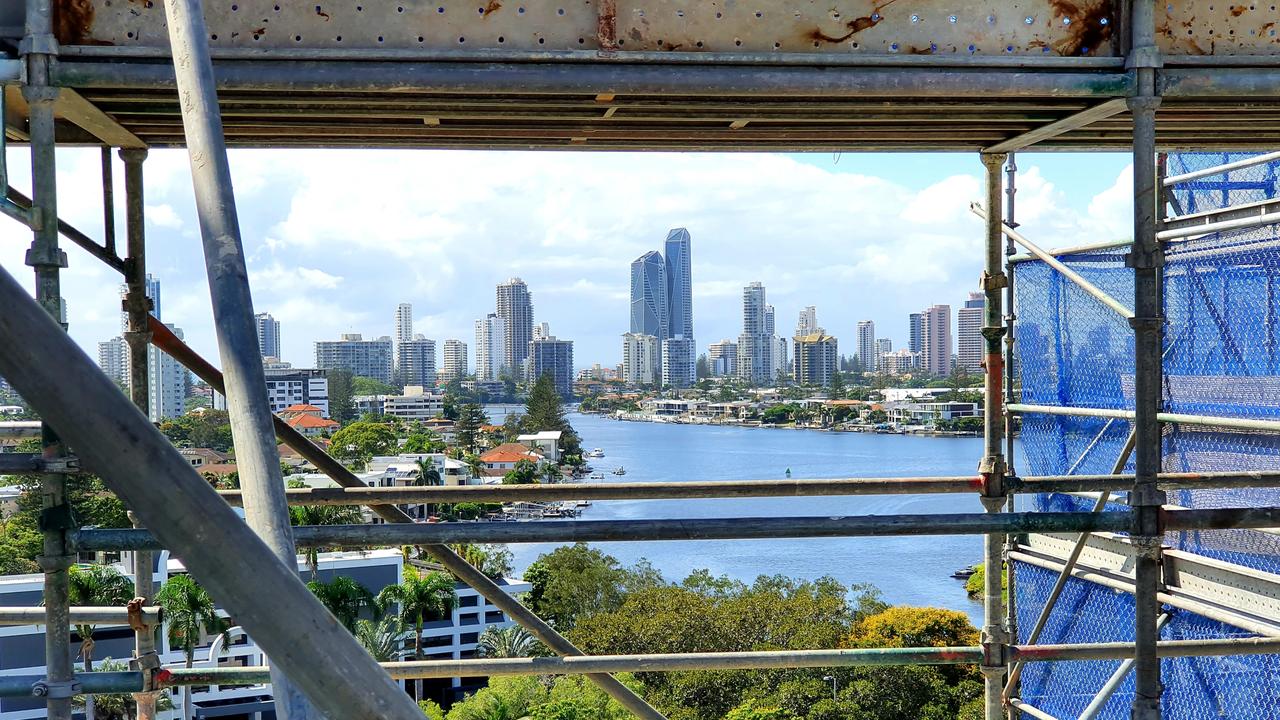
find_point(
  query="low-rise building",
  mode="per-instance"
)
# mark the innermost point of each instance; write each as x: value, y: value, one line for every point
x: 454, y: 637
x: 547, y: 443
x: 502, y: 459
x: 415, y: 404
x: 926, y: 413
x: 671, y: 407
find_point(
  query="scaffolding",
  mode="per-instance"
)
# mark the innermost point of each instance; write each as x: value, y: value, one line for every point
x: 992, y: 78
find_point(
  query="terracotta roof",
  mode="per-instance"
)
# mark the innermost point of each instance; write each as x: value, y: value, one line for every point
x: 302, y: 409
x: 217, y: 468
x: 510, y: 450
x: 310, y: 421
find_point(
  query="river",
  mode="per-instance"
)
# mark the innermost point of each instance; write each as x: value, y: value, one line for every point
x: 907, y: 570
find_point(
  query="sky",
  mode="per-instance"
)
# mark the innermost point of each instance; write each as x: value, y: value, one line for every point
x: 335, y: 239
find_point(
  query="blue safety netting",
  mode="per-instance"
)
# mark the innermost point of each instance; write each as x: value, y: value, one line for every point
x: 1222, y: 359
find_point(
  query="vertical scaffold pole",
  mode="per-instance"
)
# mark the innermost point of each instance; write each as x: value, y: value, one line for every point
x: 1146, y: 259
x: 38, y: 48
x: 137, y: 308
x: 1010, y: 249
x: 250, y: 415
x: 995, y: 637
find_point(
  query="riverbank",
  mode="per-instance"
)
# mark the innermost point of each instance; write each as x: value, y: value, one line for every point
x: 735, y: 422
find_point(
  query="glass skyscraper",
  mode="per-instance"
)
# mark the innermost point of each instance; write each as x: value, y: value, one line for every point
x: 649, y: 296
x: 679, y: 284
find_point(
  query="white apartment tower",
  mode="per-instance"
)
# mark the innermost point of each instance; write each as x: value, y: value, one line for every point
x: 640, y: 359
x: 755, y: 344
x: 970, y: 344
x: 867, y: 345
x: 935, y: 340
x: 491, y: 347
x: 455, y: 360
x: 884, y: 346
x: 113, y: 358
x: 679, y: 362
x: 416, y: 362
x: 515, y: 308
x: 268, y: 335
x: 723, y: 357
x: 808, y: 322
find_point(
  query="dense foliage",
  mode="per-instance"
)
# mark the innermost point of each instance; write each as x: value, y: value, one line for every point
x: 206, y: 429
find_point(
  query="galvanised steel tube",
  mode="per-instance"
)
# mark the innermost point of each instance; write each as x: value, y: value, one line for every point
x: 1030, y: 710
x: 138, y: 337
x: 625, y: 491
x: 77, y: 616
x: 90, y: 683
x: 450, y: 560
x: 654, y: 530
x: 577, y: 78
x: 1147, y: 259
x: 128, y: 452
x: 1167, y: 481
x: 250, y: 414
x: 1222, y: 169
x: 993, y: 468
x: 70, y: 232
x: 1114, y: 682
x: 1168, y: 417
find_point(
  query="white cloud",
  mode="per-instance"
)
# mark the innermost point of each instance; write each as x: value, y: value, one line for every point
x: 335, y: 239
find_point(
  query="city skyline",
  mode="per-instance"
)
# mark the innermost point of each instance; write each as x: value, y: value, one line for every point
x: 572, y: 244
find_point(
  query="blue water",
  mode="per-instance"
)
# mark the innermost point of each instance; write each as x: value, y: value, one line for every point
x: 907, y: 570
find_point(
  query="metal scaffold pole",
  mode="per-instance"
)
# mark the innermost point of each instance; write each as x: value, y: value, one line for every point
x: 56, y: 520
x: 137, y: 308
x: 1010, y: 317
x: 1146, y: 259
x: 250, y: 414
x: 995, y: 635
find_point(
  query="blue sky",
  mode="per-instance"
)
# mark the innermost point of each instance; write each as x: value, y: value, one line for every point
x: 336, y: 239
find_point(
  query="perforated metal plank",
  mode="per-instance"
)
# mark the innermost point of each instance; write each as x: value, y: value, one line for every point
x: 1031, y: 27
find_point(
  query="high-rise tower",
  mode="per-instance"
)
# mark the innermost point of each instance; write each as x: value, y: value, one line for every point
x: 649, y: 295
x: 515, y: 308
x: 755, y: 347
x: 679, y: 272
x: 268, y: 335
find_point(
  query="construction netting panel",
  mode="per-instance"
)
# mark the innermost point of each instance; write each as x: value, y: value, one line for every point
x: 1222, y: 292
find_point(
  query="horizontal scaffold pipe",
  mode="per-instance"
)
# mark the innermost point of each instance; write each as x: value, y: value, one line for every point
x: 1183, y: 418
x: 625, y: 491
x: 746, y: 528
x: 79, y: 615
x: 1262, y: 159
x: 107, y: 682
x: 579, y: 78
x: 374, y: 496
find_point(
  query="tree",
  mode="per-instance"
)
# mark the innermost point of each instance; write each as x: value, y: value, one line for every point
x: 345, y: 598
x: 420, y: 598
x: 702, y: 369
x: 95, y: 585
x: 837, y: 386
x: 509, y: 642
x: 361, y: 385
x: 751, y: 710
x: 360, y: 441
x: 431, y: 709
x: 423, y: 442
x: 322, y: 515
x: 189, y: 613
x: 341, y: 406
x: 208, y: 429
x: 506, y: 698
x: 525, y: 472
x: 381, y: 637
x: 427, y: 474
x: 467, y: 426
x: 492, y: 560
x: 544, y: 410
x: 575, y: 581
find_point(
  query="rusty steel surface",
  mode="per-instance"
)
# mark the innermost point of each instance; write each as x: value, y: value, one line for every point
x: 754, y: 75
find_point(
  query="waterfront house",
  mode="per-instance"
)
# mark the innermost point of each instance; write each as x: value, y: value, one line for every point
x: 546, y: 442
x: 926, y: 413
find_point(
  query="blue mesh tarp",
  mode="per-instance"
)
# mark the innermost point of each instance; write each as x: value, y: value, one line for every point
x: 1221, y: 358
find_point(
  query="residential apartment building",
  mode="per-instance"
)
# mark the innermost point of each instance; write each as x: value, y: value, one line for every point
x: 900, y: 362
x: 722, y: 357
x: 113, y: 358
x: 363, y: 358
x: 555, y: 357
x: 416, y: 361
x: 454, y: 637
x: 679, y: 362
x: 807, y: 324
x: 169, y: 382
x: 884, y: 346
x: 288, y: 386
x: 455, y: 366
x: 515, y: 307
x: 935, y: 340
x: 867, y: 345
x: 415, y: 404
x: 970, y: 345
x: 641, y: 359
x: 268, y: 335
x: 755, y: 344
x: 817, y: 359
x: 915, y: 323
x: 491, y: 344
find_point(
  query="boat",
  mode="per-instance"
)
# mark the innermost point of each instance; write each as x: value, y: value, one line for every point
x: 620, y: 471
x: 597, y: 476
x: 596, y: 453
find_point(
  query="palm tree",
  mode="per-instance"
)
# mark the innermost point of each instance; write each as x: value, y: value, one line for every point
x: 190, y: 614
x: 420, y: 598
x: 381, y: 638
x: 322, y: 515
x: 428, y: 475
x: 344, y: 597
x: 95, y: 585
x: 508, y: 642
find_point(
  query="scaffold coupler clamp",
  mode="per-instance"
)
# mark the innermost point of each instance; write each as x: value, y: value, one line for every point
x: 995, y: 650
x: 994, y: 281
x: 60, y: 690
x: 149, y: 665
x: 993, y: 470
